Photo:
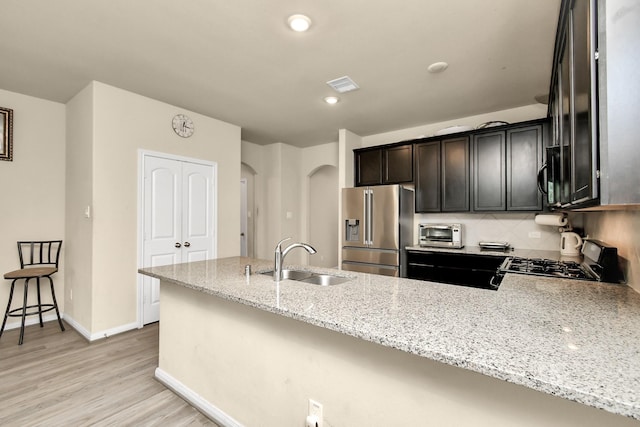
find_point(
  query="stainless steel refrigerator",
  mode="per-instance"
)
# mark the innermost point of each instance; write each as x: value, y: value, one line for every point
x: 377, y: 224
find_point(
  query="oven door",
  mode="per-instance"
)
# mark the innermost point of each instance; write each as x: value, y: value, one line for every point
x: 436, y: 235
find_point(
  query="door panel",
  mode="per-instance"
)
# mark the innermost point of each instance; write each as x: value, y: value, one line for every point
x: 178, y: 214
x: 385, y: 217
x: 382, y: 270
x: 353, y: 209
x: 427, y: 171
x: 161, y: 226
x: 371, y: 256
x: 197, y: 207
x: 455, y: 175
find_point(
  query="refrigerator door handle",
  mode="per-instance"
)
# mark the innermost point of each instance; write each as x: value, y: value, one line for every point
x: 368, y: 196
x: 370, y: 221
x: 365, y: 226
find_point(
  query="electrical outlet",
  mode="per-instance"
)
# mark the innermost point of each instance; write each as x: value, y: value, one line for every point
x: 315, y: 410
x: 534, y: 235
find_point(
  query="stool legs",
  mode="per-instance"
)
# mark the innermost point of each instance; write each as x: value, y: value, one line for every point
x: 39, y: 302
x: 23, y: 310
x: 6, y: 313
x: 55, y: 303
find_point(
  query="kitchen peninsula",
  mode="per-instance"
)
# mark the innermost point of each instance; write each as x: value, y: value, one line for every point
x: 387, y: 351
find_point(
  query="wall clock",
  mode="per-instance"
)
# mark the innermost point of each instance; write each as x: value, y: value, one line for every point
x: 182, y: 125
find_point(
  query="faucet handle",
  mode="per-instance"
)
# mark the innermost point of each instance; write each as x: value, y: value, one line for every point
x: 279, y: 245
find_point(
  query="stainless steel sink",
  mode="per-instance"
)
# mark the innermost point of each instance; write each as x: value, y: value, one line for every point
x: 325, y: 279
x: 310, y: 277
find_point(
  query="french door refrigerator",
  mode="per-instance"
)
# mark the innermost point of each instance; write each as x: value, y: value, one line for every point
x: 377, y: 225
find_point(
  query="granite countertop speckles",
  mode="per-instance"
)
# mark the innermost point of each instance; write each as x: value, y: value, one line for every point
x: 574, y: 339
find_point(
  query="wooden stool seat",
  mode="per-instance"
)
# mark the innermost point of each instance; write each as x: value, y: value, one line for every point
x: 30, y: 273
x: 38, y: 260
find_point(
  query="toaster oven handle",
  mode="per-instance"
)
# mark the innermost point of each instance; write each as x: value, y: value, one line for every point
x: 541, y: 185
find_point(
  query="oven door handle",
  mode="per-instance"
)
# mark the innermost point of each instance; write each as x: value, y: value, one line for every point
x: 492, y: 284
x: 541, y: 185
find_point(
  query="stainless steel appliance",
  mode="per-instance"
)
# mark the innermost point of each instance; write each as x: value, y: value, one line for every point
x: 440, y: 235
x: 377, y: 224
x: 600, y: 263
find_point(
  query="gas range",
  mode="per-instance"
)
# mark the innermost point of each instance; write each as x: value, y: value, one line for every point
x: 546, y: 267
x: 600, y: 263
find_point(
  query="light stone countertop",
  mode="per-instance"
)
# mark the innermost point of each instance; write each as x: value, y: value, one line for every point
x: 574, y: 339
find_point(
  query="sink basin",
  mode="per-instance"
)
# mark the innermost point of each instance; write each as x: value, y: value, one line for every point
x: 310, y: 277
x: 325, y: 279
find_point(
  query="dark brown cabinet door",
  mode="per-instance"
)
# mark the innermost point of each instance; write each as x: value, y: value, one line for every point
x: 427, y: 176
x: 584, y: 183
x: 368, y: 165
x: 455, y: 175
x: 524, y: 159
x: 488, y: 171
x: 398, y: 164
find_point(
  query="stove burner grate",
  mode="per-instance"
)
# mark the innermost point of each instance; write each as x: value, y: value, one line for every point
x: 547, y: 267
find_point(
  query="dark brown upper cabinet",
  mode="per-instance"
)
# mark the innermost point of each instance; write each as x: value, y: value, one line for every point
x: 384, y: 165
x: 427, y: 177
x: 489, y: 174
x: 442, y: 175
x: 524, y: 160
x: 505, y: 167
x: 368, y: 167
x: 455, y: 175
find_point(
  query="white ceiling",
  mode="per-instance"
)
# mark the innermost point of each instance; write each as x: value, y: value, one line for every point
x: 237, y: 61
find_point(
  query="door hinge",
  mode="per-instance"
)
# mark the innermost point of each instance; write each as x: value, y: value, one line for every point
x: 596, y: 55
x: 597, y: 173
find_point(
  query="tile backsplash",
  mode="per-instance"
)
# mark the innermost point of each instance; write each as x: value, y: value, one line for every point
x: 519, y: 229
x: 622, y: 230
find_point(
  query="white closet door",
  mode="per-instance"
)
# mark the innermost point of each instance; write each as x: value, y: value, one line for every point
x: 178, y: 220
x: 162, y: 225
x: 197, y: 212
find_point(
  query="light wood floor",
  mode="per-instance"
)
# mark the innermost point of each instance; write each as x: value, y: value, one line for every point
x: 59, y: 379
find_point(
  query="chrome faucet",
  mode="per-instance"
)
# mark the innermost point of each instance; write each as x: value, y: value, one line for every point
x: 280, y: 254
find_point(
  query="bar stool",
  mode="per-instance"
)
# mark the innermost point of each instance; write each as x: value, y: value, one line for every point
x: 38, y: 259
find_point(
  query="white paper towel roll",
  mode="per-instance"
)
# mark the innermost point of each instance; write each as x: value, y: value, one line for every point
x: 551, y: 219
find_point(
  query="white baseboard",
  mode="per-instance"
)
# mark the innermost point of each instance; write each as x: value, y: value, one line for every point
x: 113, y: 331
x: 77, y: 326
x: 33, y: 320
x: 211, y: 411
x: 98, y: 335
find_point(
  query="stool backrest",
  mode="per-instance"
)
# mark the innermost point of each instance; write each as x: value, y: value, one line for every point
x: 41, y: 252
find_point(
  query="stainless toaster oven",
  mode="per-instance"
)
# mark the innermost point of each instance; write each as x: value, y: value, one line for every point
x: 441, y: 235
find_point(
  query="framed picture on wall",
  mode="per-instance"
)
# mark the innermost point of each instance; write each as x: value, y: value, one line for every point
x: 6, y: 134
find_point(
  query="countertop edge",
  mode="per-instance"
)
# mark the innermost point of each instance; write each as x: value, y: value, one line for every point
x: 526, y: 379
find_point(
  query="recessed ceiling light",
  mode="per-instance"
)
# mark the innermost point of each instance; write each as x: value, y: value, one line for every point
x: 331, y: 100
x: 299, y: 23
x: 437, y: 67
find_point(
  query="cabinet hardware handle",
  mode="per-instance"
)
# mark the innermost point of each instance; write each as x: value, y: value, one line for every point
x: 541, y: 185
x: 187, y: 244
x: 177, y: 245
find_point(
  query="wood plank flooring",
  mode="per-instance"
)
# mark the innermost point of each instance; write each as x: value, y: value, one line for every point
x: 59, y: 379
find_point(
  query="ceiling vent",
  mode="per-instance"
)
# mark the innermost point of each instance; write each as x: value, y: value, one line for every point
x: 343, y: 84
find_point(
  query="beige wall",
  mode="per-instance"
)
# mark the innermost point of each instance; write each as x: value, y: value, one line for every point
x: 282, y: 174
x: 32, y: 188
x: 248, y: 358
x: 513, y: 115
x: 122, y: 123
x: 79, y: 196
x: 622, y: 230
